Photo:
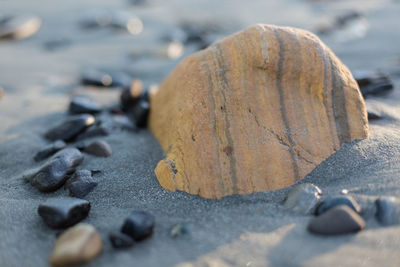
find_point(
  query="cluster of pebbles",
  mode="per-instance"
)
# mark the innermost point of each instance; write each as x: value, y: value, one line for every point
x: 340, y: 214
x: 87, y: 119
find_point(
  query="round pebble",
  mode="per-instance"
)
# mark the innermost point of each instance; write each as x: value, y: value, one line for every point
x: 332, y: 202
x: 98, y: 148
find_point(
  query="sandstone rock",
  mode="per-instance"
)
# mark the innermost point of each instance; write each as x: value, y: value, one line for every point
x: 257, y: 111
x: 77, y: 245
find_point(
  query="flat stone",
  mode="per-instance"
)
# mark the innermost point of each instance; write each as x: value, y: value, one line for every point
x: 332, y: 202
x: 70, y: 128
x: 50, y: 150
x: 337, y: 221
x: 388, y: 211
x: 81, y: 184
x: 105, y: 78
x: 121, y: 240
x: 303, y: 199
x: 373, y: 83
x: 98, y: 148
x: 93, y: 131
x: 19, y: 26
x: 256, y: 111
x: 53, y: 174
x: 83, y: 104
x: 139, y: 225
x: 61, y: 212
x: 79, y: 244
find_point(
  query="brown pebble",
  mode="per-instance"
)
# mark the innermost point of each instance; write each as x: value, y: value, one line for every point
x: 337, y: 221
x: 77, y: 245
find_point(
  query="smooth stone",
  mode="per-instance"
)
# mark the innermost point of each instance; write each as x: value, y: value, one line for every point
x: 120, y: 240
x: 93, y: 131
x: 244, y: 115
x: 53, y: 174
x: 79, y: 244
x: 373, y: 83
x: 180, y: 229
x: 337, y: 221
x: 70, y: 128
x: 50, y: 150
x: 139, y: 225
x: 81, y: 184
x: 303, y: 199
x: 83, y: 104
x: 367, y: 205
x: 19, y: 26
x: 98, y: 148
x: 62, y: 212
x: 123, y: 122
x: 105, y: 78
x: 332, y: 202
x: 140, y: 113
x: 130, y: 96
x: 388, y: 210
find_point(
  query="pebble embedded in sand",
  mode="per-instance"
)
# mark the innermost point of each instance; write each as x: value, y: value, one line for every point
x: 180, y: 229
x: 82, y: 104
x: 81, y: 184
x: 337, y: 221
x: 139, y: 225
x: 332, y: 202
x: 120, y: 240
x: 256, y: 111
x: 50, y: 150
x: 19, y: 26
x: 61, y: 212
x: 70, y: 128
x: 98, y: 148
x: 388, y: 210
x: 303, y: 199
x: 77, y: 245
x: 53, y: 174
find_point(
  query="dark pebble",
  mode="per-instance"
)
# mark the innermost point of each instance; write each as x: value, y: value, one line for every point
x: 337, y: 221
x: 83, y: 104
x: 332, y: 202
x: 70, y: 128
x: 53, y: 174
x: 50, y: 150
x: 18, y: 26
x: 81, y: 184
x: 303, y: 199
x: 98, y: 148
x: 123, y: 122
x: 131, y: 95
x: 388, y: 210
x: 63, y: 212
x: 120, y: 240
x: 140, y: 112
x: 180, y: 229
x: 105, y: 78
x: 373, y: 83
x: 139, y: 225
x: 93, y: 131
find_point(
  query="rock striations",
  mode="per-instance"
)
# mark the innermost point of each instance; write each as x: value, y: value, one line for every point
x: 257, y: 111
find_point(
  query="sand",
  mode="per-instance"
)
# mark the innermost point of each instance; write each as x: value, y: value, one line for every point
x: 251, y: 230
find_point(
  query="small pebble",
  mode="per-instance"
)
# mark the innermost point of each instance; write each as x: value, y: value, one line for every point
x: 337, y: 221
x: 57, y: 43
x: 93, y: 131
x: 77, y: 245
x: 332, y: 202
x: 19, y: 26
x: 70, y: 128
x: 139, y: 225
x: 83, y: 104
x: 63, y: 212
x: 373, y: 83
x: 303, y: 199
x: 367, y: 204
x: 131, y: 95
x: 123, y: 122
x: 50, y: 150
x: 140, y: 113
x: 180, y: 230
x: 105, y: 78
x: 120, y: 240
x: 81, y: 184
x: 98, y: 148
x: 388, y: 211
x: 53, y: 174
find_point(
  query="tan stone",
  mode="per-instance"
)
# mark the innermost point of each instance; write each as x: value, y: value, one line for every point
x: 77, y: 245
x: 257, y: 111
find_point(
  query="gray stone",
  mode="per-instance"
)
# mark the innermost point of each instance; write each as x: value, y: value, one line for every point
x: 50, y: 150
x: 81, y: 104
x: 121, y: 240
x: 70, y: 128
x: 388, y: 210
x: 81, y: 184
x: 303, y: 199
x: 98, y: 148
x: 139, y: 225
x: 332, y: 202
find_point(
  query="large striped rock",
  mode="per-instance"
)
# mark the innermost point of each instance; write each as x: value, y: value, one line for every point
x: 257, y: 111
